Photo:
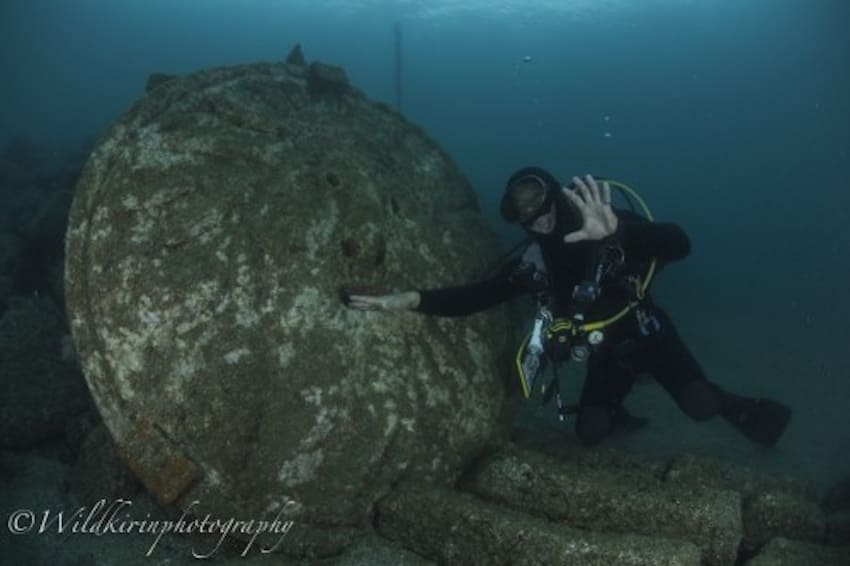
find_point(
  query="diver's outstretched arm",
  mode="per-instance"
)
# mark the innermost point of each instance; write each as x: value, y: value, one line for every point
x: 407, y: 300
x: 460, y: 300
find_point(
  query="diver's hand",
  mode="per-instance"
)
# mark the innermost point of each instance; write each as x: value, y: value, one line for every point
x: 395, y: 302
x: 598, y: 219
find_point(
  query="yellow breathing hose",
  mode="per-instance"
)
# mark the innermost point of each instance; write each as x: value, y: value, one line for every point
x: 591, y: 326
x: 647, y: 279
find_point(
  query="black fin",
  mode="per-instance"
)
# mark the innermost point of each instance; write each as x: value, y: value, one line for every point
x: 761, y: 420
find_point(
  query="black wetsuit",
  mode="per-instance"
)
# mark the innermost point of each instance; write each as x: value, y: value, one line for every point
x: 628, y: 348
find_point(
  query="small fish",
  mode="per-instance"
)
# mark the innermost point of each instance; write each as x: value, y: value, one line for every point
x: 526, y: 59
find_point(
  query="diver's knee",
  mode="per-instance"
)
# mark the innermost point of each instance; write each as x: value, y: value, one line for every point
x: 592, y: 425
x: 700, y: 400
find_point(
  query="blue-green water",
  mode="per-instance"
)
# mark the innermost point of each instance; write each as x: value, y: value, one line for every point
x: 730, y: 117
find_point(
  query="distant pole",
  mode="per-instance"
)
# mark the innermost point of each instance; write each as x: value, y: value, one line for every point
x: 398, y: 67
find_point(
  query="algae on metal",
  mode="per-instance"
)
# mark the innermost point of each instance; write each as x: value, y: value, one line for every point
x: 211, y: 230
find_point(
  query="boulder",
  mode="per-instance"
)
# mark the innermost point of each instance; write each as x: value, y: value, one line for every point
x: 451, y: 527
x: 773, y: 506
x: 785, y: 552
x: 296, y: 56
x: 775, y: 514
x: 613, y: 500
x: 156, y: 79
x: 692, y: 469
x: 211, y: 231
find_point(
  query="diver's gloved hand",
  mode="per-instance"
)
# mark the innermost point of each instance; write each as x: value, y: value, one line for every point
x: 407, y: 300
x: 598, y: 219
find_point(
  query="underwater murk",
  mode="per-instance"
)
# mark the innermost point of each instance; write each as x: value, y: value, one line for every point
x: 356, y: 283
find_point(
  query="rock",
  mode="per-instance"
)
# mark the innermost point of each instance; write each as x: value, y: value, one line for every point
x: 378, y: 551
x: 451, y: 527
x: 323, y: 79
x: 783, y: 552
x: 157, y: 79
x: 700, y: 470
x: 210, y: 233
x: 633, y: 467
x: 781, y: 514
x: 39, y: 487
x: 296, y: 56
x: 773, y: 506
x: 591, y: 498
x: 39, y: 391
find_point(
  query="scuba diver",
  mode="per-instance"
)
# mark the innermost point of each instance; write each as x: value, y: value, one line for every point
x: 590, y: 266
